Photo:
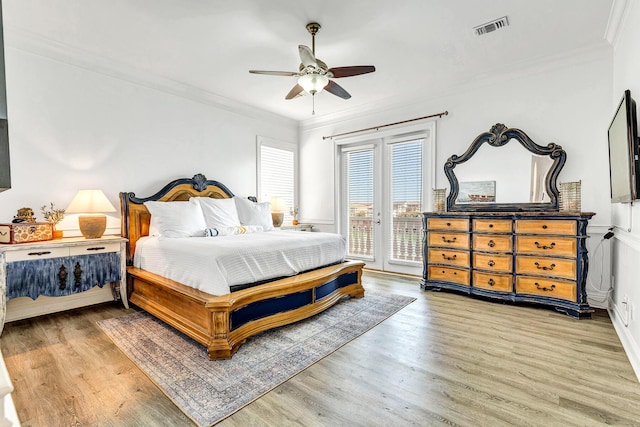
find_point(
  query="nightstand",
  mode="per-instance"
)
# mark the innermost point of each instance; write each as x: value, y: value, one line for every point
x: 46, y: 277
x: 297, y: 227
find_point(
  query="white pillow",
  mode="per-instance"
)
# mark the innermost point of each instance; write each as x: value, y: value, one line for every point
x: 251, y: 213
x: 176, y: 219
x: 219, y: 213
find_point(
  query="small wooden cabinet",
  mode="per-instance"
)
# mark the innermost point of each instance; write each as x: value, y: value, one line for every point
x: 45, y: 277
x: 537, y: 257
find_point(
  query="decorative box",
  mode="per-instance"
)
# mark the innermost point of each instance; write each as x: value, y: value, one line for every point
x: 24, y: 232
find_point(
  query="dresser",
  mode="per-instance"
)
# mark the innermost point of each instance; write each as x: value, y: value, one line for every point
x: 529, y: 257
x: 55, y: 275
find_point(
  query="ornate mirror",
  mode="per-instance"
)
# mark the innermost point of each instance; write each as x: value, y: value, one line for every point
x: 495, y: 174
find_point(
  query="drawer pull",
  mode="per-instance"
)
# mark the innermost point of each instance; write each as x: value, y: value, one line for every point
x: 97, y: 248
x: 491, y: 263
x: 490, y: 225
x: 444, y: 239
x: 77, y: 275
x: 491, y: 243
x: 39, y: 253
x: 544, y: 267
x: 449, y: 258
x: 448, y: 224
x: 539, y: 246
x: 544, y: 227
x: 544, y: 288
x: 491, y: 282
x: 62, y: 277
x: 454, y: 273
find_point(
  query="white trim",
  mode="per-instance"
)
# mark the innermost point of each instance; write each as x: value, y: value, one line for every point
x: 24, y: 40
x: 628, y: 343
x: 515, y: 71
x: 617, y: 17
x: 628, y: 239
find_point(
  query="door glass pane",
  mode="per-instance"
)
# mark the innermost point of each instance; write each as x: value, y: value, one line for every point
x: 406, y: 201
x: 358, y: 171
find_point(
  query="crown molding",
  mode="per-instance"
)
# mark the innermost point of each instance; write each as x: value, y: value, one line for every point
x: 23, y: 40
x: 617, y: 17
x: 516, y: 70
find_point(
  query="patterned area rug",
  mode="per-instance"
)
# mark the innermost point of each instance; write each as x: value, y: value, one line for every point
x: 208, y: 391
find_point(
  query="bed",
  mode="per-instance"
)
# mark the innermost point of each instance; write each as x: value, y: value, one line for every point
x: 223, y: 322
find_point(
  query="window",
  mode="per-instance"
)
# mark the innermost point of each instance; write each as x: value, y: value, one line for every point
x: 277, y: 165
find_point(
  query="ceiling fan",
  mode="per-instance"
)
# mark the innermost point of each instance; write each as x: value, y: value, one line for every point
x: 314, y: 75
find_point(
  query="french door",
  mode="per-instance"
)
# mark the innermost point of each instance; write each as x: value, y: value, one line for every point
x: 385, y: 185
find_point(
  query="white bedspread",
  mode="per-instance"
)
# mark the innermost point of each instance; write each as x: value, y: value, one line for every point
x: 213, y: 264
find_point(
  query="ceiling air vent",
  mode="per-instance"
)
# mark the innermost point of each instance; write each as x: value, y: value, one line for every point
x: 489, y: 27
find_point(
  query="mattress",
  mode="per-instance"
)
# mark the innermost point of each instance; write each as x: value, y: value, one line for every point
x: 218, y: 265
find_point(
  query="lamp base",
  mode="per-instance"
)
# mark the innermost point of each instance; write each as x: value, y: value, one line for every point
x: 277, y: 218
x: 92, y: 226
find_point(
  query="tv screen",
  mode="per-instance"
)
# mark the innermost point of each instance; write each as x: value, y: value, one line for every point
x: 623, y: 152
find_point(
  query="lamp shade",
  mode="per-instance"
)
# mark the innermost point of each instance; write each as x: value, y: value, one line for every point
x: 277, y: 204
x: 277, y: 211
x: 313, y: 83
x: 90, y: 201
x: 92, y: 204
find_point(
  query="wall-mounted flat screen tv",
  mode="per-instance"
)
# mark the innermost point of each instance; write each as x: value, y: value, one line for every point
x: 623, y: 152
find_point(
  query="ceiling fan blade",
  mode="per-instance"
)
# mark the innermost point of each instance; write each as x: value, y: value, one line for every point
x: 296, y: 91
x: 337, y: 90
x: 355, y: 70
x: 275, y: 73
x: 307, y: 57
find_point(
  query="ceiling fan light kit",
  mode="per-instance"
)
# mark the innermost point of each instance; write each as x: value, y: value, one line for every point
x: 314, y: 75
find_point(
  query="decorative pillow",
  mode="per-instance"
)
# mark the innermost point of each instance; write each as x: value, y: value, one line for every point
x: 219, y: 213
x: 251, y: 213
x: 176, y: 219
x: 232, y: 231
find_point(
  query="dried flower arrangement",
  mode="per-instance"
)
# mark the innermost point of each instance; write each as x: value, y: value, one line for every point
x: 52, y: 215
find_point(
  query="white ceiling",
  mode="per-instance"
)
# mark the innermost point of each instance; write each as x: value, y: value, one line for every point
x: 419, y: 47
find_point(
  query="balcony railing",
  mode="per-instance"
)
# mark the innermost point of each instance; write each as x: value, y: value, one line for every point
x: 406, y: 244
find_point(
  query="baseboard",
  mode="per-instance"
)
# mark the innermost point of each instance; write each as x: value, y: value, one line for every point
x: 630, y: 346
x: 25, y: 307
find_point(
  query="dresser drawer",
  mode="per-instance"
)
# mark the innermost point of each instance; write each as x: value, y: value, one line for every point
x: 546, y: 287
x: 95, y: 249
x: 493, y: 282
x: 39, y: 253
x: 449, y: 240
x: 448, y: 257
x: 547, y: 245
x: 556, y: 267
x: 448, y: 274
x: 493, y: 243
x: 547, y: 226
x: 455, y: 224
x: 492, y: 262
x: 492, y: 225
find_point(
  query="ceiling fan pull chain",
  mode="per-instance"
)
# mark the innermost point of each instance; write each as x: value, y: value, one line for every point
x: 313, y: 106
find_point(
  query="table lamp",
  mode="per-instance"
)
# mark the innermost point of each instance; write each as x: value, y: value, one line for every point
x: 92, y: 204
x: 277, y: 211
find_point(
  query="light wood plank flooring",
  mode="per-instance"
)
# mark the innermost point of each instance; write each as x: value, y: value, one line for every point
x: 445, y: 359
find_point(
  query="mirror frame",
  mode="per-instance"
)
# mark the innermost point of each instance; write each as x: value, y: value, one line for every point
x: 498, y: 136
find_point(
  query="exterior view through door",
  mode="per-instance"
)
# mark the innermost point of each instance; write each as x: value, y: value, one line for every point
x: 384, y: 185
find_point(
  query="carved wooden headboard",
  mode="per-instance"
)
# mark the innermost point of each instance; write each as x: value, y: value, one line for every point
x: 135, y: 218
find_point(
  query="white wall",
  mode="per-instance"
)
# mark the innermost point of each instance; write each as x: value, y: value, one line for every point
x: 567, y: 102
x: 626, y: 244
x: 73, y: 125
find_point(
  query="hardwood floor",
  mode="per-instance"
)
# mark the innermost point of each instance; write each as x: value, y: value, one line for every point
x: 445, y: 359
